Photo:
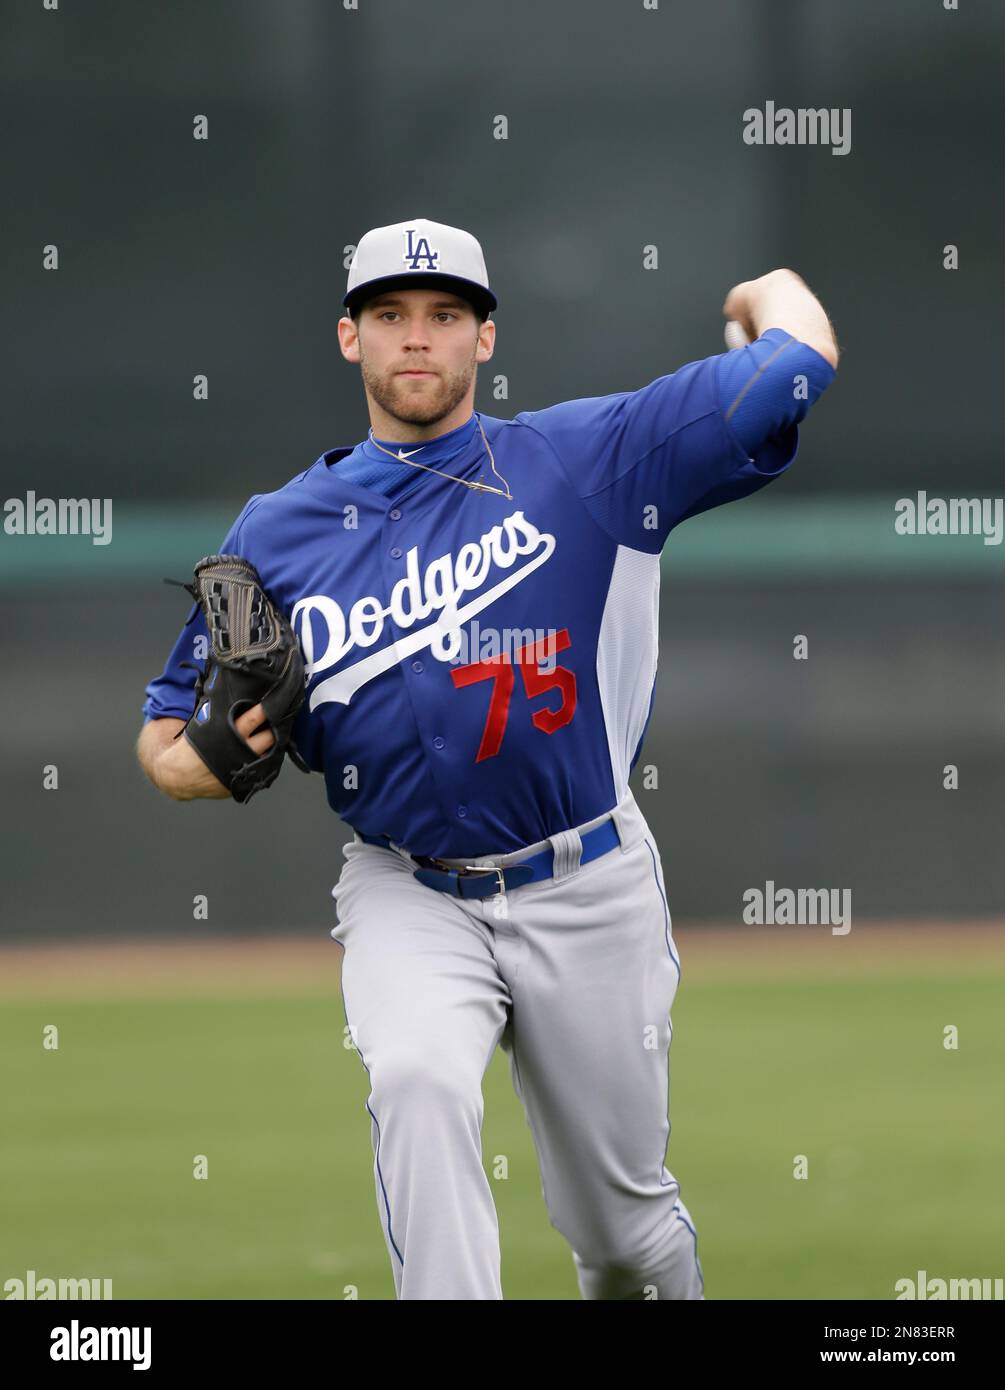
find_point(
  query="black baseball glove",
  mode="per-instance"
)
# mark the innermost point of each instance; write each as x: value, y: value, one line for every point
x: 254, y: 658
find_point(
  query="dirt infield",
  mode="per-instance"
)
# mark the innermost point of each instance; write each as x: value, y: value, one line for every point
x: 296, y: 964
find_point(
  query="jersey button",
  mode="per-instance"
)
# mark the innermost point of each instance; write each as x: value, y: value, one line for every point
x: 462, y: 811
x: 439, y: 743
x: 395, y: 552
x: 394, y: 514
x: 416, y: 666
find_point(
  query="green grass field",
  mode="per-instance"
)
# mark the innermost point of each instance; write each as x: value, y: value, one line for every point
x: 840, y: 1058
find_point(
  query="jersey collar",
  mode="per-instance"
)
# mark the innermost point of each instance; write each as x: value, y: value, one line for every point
x: 434, y: 452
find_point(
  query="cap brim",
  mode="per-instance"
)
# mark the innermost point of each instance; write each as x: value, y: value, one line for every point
x: 482, y: 299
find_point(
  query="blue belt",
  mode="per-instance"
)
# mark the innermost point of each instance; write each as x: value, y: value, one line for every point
x: 482, y: 881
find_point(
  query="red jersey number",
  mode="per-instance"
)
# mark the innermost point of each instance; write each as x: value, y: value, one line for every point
x: 499, y: 670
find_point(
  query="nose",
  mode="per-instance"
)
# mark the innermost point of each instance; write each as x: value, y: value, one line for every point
x: 417, y: 334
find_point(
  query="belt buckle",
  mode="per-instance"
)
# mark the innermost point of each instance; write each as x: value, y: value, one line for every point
x: 463, y: 870
x: 486, y: 869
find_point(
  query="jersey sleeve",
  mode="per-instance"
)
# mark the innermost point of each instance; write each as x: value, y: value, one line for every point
x: 644, y: 461
x: 172, y: 693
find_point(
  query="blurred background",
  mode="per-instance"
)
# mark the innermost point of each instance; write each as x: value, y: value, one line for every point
x: 228, y: 257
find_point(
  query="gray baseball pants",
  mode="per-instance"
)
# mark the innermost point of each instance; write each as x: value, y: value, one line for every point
x: 575, y: 978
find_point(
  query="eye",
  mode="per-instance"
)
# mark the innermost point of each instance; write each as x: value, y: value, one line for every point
x: 446, y: 313
x: 385, y: 313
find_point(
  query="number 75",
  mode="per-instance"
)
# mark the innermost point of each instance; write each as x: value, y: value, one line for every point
x: 499, y: 670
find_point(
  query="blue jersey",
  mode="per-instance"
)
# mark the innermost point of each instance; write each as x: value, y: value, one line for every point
x: 481, y: 669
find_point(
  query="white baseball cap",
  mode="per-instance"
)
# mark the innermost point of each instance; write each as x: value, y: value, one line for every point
x: 419, y: 254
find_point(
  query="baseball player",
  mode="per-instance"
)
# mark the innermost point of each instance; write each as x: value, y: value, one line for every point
x: 475, y: 601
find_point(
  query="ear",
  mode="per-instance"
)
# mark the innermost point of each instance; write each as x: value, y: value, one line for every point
x: 486, y: 341
x: 348, y: 339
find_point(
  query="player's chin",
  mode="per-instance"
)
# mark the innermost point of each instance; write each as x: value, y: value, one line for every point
x: 417, y: 405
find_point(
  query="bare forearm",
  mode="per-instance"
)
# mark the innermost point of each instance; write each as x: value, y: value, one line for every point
x: 176, y: 769
x: 782, y: 299
x: 173, y: 766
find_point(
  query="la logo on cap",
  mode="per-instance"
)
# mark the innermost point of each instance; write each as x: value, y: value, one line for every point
x: 419, y: 256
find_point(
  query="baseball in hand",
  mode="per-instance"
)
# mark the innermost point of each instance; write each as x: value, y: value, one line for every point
x: 734, y: 335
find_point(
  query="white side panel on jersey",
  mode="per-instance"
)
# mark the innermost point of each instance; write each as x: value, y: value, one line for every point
x: 627, y: 652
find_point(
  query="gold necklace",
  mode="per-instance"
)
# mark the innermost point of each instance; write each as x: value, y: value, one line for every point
x: 475, y: 487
